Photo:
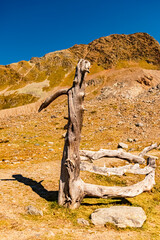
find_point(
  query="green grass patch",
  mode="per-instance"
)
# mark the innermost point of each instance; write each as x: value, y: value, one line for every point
x: 141, y: 63
x: 15, y: 100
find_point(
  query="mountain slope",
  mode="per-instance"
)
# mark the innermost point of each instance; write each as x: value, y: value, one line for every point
x: 25, y: 82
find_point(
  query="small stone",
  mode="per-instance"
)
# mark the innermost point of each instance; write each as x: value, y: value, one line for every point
x: 139, y: 124
x: 36, y: 144
x: 51, y: 150
x: 135, y: 116
x: 130, y: 140
x: 50, y: 143
x: 6, y: 161
x: 120, y: 122
x: 51, y: 234
x: 53, y: 116
x: 33, y: 211
x: 158, y: 86
x: 122, y: 145
x: 82, y: 221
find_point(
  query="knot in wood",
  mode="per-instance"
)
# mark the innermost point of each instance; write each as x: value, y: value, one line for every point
x: 70, y: 165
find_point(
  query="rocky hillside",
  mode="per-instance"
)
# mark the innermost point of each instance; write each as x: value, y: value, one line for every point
x: 26, y: 82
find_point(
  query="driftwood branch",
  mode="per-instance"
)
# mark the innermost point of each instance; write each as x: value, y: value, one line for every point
x: 94, y: 155
x: 123, y: 192
x: 147, y: 149
x: 118, y: 171
x: 50, y: 99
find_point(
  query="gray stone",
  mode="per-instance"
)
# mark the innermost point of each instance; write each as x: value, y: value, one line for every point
x: 33, y: 211
x: 139, y: 124
x: 53, y: 116
x: 158, y: 86
x: 121, y: 216
x: 82, y: 221
x: 122, y: 145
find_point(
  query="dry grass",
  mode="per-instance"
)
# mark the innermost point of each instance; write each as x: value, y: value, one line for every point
x: 34, y: 151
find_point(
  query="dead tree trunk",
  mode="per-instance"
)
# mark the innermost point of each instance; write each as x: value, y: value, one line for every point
x: 71, y: 188
x: 71, y: 191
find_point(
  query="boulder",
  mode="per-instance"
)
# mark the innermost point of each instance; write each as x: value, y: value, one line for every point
x: 121, y: 216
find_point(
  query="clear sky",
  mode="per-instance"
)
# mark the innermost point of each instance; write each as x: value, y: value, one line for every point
x: 33, y: 28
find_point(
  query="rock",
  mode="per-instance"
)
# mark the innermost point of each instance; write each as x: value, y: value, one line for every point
x: 53, y: 116
x: 130, y: 140
x: 120, y: 122
x: 139, y: 124
x: 6, y: 161
x: 51, y: 234
x: 33, y: 211
x: 50, y: 149
x: 51, y: 143
x: 82, y: 221
x: 121, y: 216
x: 122, y: 145
x: 158, y: 86
x: 36, y: 144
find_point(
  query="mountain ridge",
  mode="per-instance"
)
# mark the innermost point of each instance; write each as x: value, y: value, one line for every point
x: 58, y: 68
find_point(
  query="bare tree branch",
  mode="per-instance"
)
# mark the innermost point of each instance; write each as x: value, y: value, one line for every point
x: 122, y: 192
x: 118, y: 171
x: 50, y: 99
x: 147, y: 149
x: 94, y: 155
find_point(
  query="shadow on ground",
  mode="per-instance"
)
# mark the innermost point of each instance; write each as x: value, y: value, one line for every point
x: 37, y: 187
x: 118, y: 201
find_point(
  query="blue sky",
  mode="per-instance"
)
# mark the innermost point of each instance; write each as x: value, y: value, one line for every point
x: 33, y: 28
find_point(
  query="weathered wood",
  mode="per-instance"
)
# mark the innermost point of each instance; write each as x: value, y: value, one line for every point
x: 121, y: 192
x: 147, y: 149
x: 71, y: 190
x: 50, y: 99
x: 94, y: 155
x: 118, y: 171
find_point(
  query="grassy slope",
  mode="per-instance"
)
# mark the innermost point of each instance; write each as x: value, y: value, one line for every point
x: 35, y: 149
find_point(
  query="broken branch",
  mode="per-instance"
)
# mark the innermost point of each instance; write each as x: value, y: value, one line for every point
x: 147, y: 149
x: 50, y: 99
